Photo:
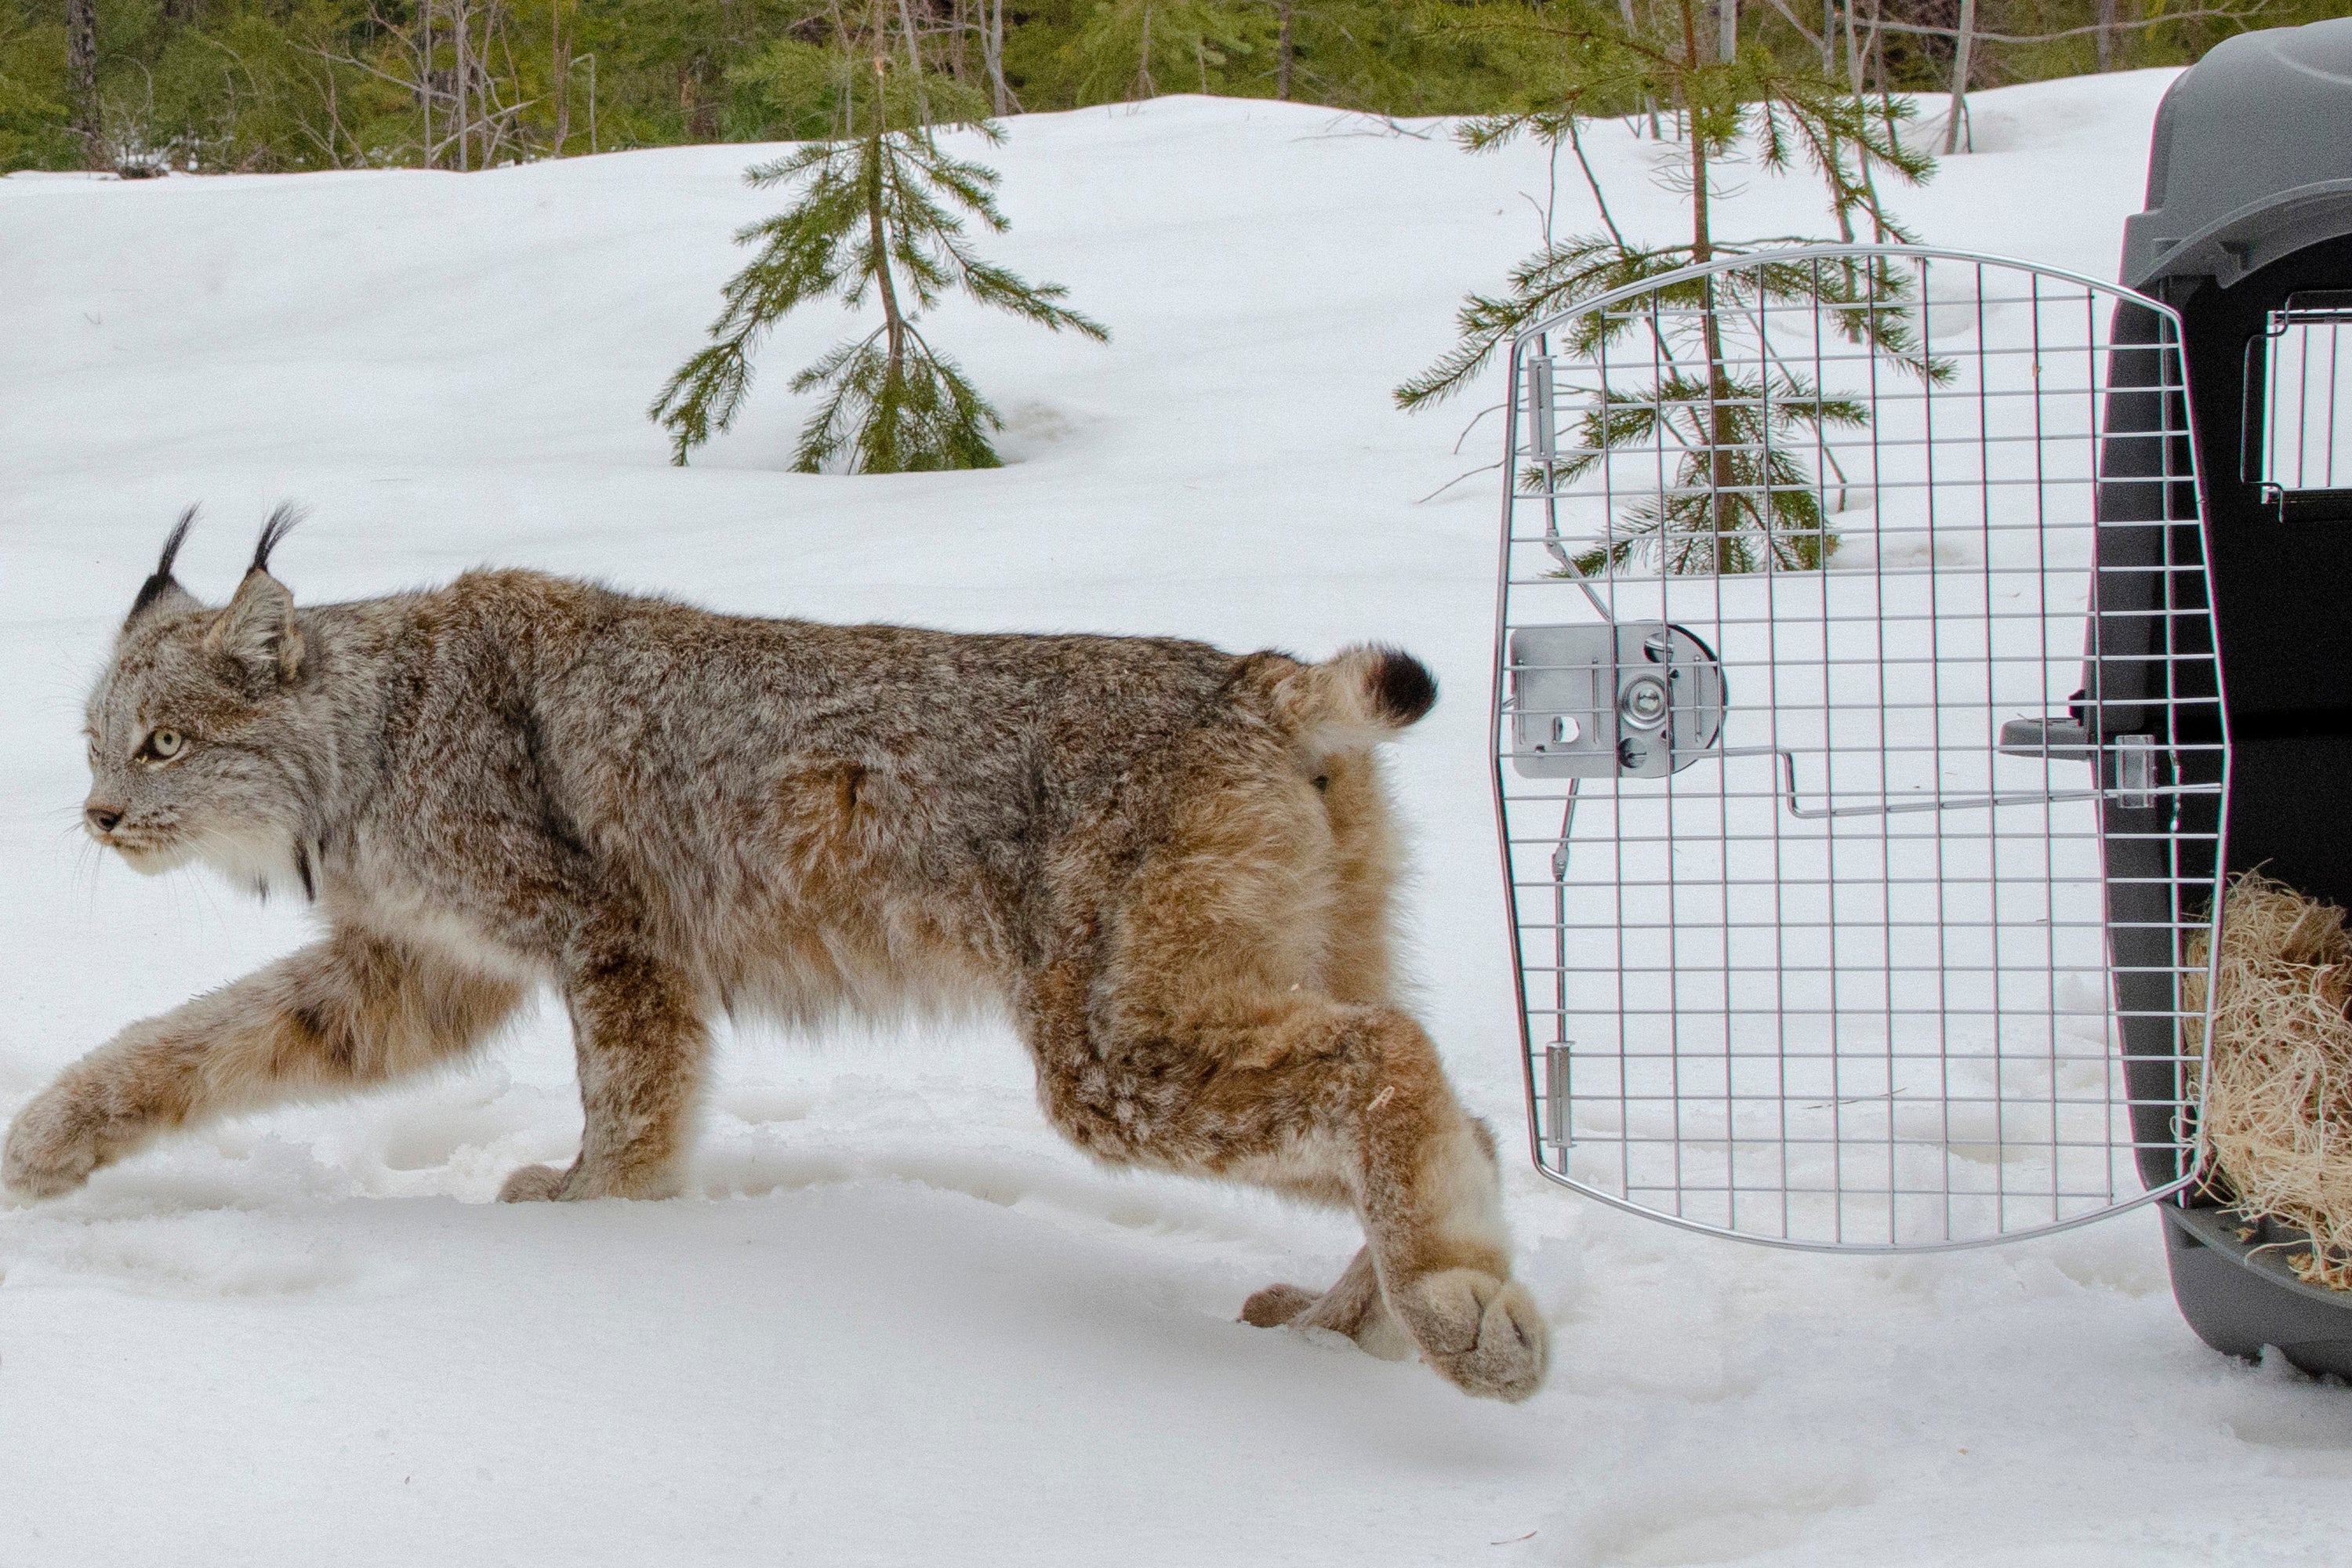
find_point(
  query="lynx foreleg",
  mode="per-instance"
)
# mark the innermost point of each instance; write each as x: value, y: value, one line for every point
x: 341, y: 1015
x: 641, y: 1045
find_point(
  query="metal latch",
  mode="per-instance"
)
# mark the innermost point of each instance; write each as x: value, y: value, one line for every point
x: 2135, y: 772
x: 2069, y: 740
x: 2060, y: 739
x: 1644, y: 699
x: 1557, y: 1064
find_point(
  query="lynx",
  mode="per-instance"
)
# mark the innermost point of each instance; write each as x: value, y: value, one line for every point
x: 1172, y: 868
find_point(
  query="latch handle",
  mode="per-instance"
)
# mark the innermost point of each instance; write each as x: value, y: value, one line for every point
x: 2060, y: 739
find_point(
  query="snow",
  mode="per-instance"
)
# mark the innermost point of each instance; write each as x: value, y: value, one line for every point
x: 895, y: 1320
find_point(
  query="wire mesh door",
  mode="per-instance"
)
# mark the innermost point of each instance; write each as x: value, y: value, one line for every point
x: 1830, y: 756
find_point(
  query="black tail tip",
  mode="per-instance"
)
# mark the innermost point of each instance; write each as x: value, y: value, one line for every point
x: 1404, y: 687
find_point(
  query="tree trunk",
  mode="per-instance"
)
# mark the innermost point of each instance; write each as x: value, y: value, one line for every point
x: 998, y: 94
x: 424, y: 77
x: 1726, y: 30
x: 1633, y: 30
x: 699, y: 88
x: 81, y: 70
x: 2107, y: 34
x: 914, y: 64
x: 993, y: 57
x: 1961, y: 47
x: 1702, y: 238
x: 1282, y: 51
x: 1722, y: 431
x: 561, y: 60
x: 462, y: 29
x: 959, y: 51
x: 1853, y: 86
x: 893, y: 324
x: 1144, y: 86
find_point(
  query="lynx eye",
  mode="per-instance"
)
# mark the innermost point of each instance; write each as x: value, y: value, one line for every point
x: 164, y: 744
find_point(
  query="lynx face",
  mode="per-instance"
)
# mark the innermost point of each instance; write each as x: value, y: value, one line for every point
x: 198, y: 736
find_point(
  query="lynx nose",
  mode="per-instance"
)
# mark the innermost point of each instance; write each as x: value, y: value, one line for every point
x: 101, y: 818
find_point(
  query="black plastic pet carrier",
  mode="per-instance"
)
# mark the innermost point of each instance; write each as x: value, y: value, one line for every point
x: 2247, y: 235
x: 1897, y: 649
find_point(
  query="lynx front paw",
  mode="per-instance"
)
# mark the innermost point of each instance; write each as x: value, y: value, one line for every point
x: 52, y: 1147
x: 1482, y: 1333
x: 533, y: 1184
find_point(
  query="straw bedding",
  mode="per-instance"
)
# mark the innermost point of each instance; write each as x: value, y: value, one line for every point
x: 2278, y: 1108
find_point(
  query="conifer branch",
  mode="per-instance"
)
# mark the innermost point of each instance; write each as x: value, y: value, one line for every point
x: 881, y: 216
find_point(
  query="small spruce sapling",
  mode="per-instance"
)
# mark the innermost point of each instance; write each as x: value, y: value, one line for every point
x: 873, y: 223
x: 1740, y: 499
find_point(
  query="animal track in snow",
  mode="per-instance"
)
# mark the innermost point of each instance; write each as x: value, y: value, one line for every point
x: 760, y: 1163
x: 1708, y: 1520
x: 209, y: 1255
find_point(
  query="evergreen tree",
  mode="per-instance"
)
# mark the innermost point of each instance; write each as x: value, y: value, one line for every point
x: 873, y: 221
x: 1740, y: 496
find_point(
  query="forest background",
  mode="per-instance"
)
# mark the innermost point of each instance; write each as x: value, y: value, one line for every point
x: 144, y: 85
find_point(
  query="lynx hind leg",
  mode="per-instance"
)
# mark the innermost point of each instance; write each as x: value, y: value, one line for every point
x: 1219, y: 1051
x: 1362, y: 1083
x: 1430, y: 1194
x: 1353, y: 1306
x: 1195, y: 1028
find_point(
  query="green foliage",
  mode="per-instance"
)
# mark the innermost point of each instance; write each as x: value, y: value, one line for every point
x: 1740, y: 497
x: 877, y: 221
x: 303, y: 84
x: 829, y: 90
x: 1799, y: 115
x: 915, y: 414
x: 1140, y: 48
x: 1728, y: 508
x: 32, y: 129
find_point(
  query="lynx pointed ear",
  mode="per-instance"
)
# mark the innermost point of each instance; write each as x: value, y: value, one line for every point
x: 258, y: 628
x: 257, y: 631
x: 162, y: 590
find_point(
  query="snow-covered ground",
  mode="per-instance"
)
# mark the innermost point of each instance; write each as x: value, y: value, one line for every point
x: 897, y: 1321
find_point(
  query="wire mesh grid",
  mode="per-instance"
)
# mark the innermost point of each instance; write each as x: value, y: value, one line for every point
x: 1802, y: 810
x: 2298, y: 424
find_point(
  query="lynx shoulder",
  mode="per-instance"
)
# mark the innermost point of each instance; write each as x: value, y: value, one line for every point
x: 1170, y: 867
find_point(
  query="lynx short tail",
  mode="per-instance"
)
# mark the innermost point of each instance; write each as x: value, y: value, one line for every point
x: 1365, y: 695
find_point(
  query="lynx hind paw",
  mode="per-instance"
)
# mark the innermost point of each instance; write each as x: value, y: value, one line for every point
x: 49, y: 1153
x: 1276, y: 1305
x: 1483, y: 1334
x: 533, y: 1184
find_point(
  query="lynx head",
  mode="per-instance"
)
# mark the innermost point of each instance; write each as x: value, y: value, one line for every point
x: 197, y: 730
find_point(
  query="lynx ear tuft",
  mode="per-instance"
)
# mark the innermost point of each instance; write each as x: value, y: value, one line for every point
x: 162, y: 590
x: 273, y: 533
x: 257, y: 631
